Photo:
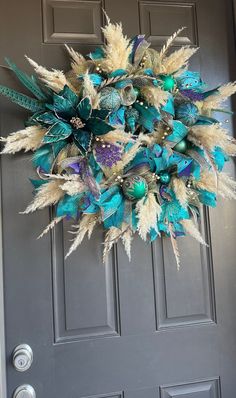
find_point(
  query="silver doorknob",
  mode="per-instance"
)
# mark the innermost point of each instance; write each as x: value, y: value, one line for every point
x: 24, y: 391
x: 22, y: 357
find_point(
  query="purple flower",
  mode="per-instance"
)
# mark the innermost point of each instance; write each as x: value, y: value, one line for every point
x: 192, y: 95
x: 82, y: 168
x: 107, y: 154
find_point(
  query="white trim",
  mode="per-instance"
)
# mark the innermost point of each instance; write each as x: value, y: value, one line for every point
x: 3, y: 383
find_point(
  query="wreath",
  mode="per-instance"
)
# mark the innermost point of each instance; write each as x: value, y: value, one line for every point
x: 127, y: 139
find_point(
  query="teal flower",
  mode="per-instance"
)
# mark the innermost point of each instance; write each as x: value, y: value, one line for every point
x: 72, y: 119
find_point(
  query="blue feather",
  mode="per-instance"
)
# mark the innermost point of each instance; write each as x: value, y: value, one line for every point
x: 44, y: 156
x: 95, y: 78
x: 220, y: 157
x: 173, y: 211
x: 68, y: 206
x: 207, y: 198
x: 98, y: 53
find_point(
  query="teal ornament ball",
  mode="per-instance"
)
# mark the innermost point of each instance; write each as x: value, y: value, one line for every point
x: 164, y: 177
x: 168, y: 82
x: 135, y: 187
x: 181, y: 146
x: 110, y: 99
x: 187, y: 113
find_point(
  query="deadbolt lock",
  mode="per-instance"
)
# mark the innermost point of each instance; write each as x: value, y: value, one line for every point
x: 24, y: 391
x: 22, y: 357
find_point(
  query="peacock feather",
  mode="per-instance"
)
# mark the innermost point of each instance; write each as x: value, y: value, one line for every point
x: 22, y: 100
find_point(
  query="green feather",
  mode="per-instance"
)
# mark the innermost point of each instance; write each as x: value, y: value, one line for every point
x: 28, y: 81
x: 23, y: 100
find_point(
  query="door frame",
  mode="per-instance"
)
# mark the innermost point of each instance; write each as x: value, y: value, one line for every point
x: 3, y: 381
x: 3, y: 359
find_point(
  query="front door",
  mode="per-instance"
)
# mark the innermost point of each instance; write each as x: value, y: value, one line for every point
x: 130, y: 330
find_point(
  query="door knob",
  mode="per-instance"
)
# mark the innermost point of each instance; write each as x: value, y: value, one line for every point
x: 22, y: 358
x: 24, y: 391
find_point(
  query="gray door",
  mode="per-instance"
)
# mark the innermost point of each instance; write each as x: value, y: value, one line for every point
x: 131, y: 330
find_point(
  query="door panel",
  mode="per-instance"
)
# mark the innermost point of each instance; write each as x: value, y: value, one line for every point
x: 202, y: 389
x: 127, y: 329
x: 72, y: 21
x: 82, y: 308
x: 155, y: 15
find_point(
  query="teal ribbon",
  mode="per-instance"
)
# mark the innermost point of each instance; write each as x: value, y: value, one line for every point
x: 179, y: 132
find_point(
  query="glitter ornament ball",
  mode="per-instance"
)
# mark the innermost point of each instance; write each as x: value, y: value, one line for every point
x: 110, y: 99
x: 134, y: 187
x: 187, y: 113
